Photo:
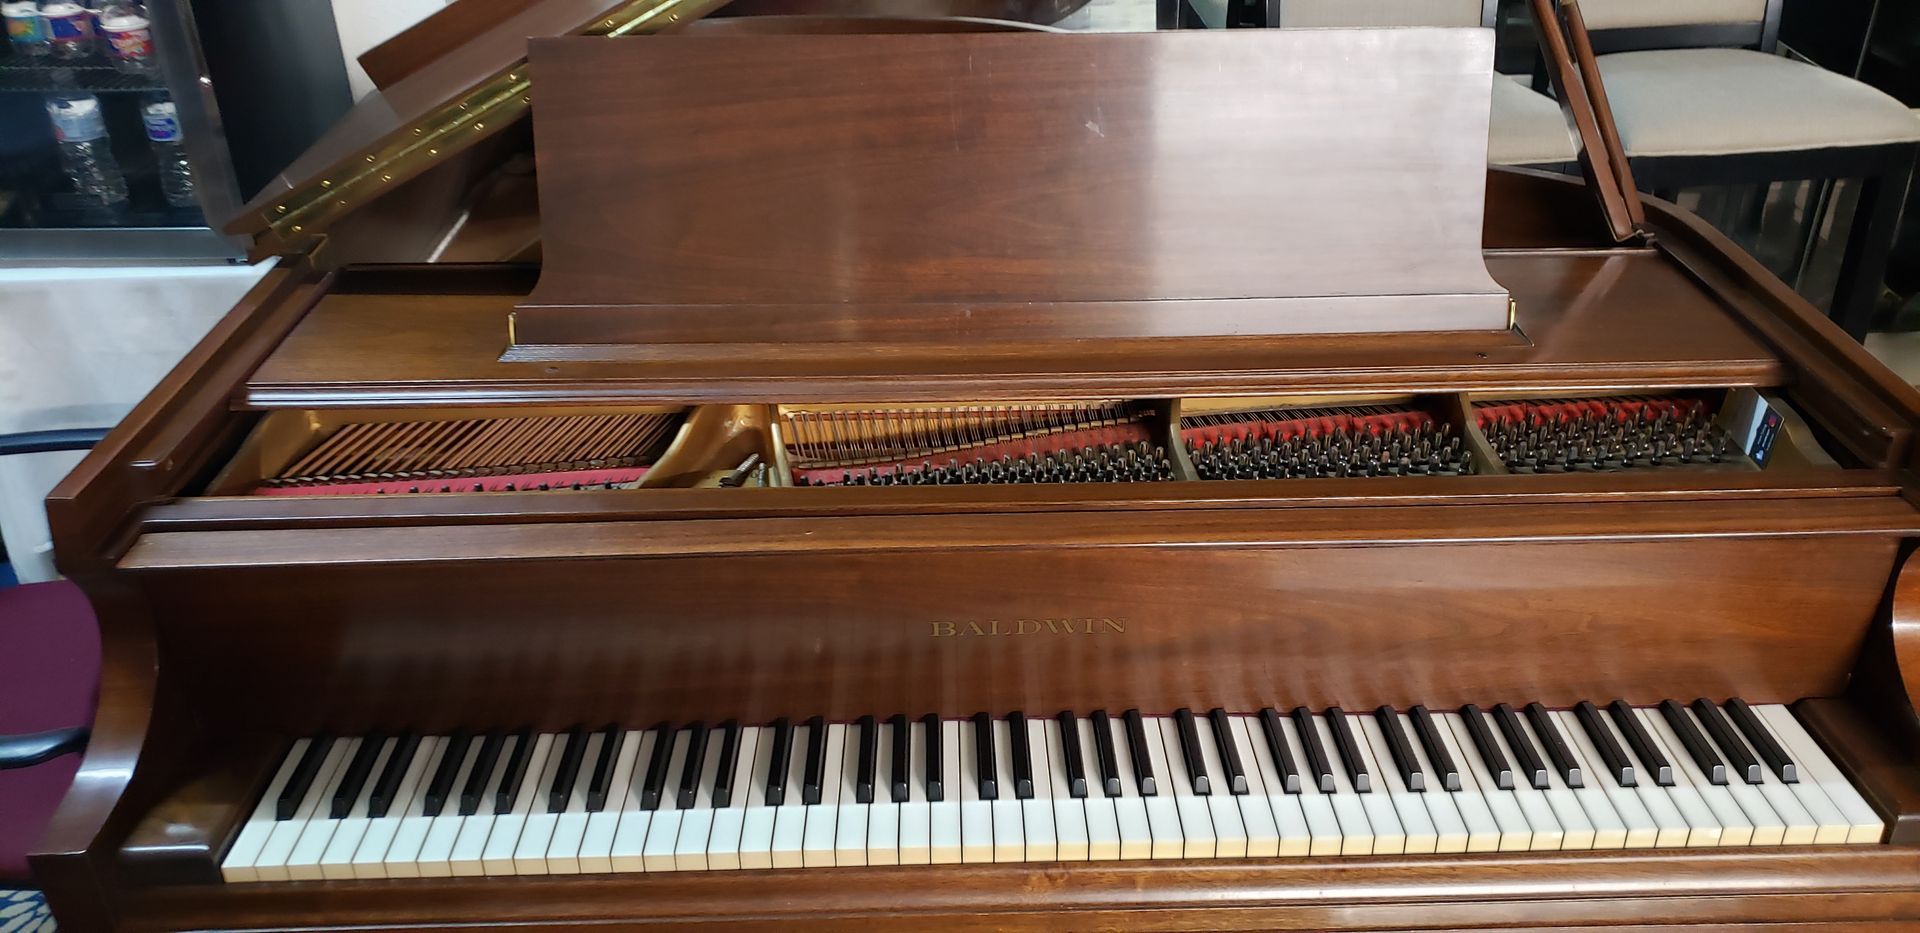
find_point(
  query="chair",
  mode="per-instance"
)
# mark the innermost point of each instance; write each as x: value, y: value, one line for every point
x: 1528, y: 127
x: 49, y: 675
x: 1700, y: 97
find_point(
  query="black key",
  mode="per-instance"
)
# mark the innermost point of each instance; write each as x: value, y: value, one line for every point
x: 1022, y: 752
x: 1349, y: 750
x: 816, y: 774
x: 560, y: 792
x: 1190, y: 752
x: 513, y: 773
x: 1489, y: 749
x: 1651, y: 758
x: 477, y: 779
x: 655, y: 783
x: 986, y: 773
x: 1316, y: 753
x: 302, y: 779
x: 359, y: 768
x: 729, y: 761
x: 691, y: 765
x: 602, y: 780
x: 1070, y: 753
x: 1277, y: 748
x: 1763, y: 741
x: 388, y: 784
x: 777, y: 765
x: 1523, y: 753
x: 1137, y: 748
x: 1436, y: 748
x: 1403, y: 757
x: 1229, y: 751
x: 1548, y: 732
x: 442, y: 784
x: 1695, y: 743
x: 900, y: 770
x: 869, y: 750
x: 1611, y: 755
x: 1744, y: 764
x: 936, y: 768
x: 1103, y: 751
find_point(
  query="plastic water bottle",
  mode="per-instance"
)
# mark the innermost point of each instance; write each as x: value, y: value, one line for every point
x: 85, y: 151
x: 69, y: 28
x: 176, y: 173
x: 26, y: 28
x: 127, y: 37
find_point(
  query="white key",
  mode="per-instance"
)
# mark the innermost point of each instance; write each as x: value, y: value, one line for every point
x: 976, y: 812
x: 503, y: 842
x: 1284, y: 818
x: 1132, y: 821
x: 1069, y: 812
x: 790, y: 818
x: 1328, y: 835
x: 883, y: 817
x: 1734, y: 828
x: 627, y: 851
x: 729, y: 822
x: 1482, y: 831
x: 947, y: 837
x: 1449, y: 827
x: 1577, y: 831
x: 570, y: 825
x: 1415, y: 822
x: 1223, y: 805
x: 696, y: 823
x: 823, y: 818
x: 1009, y: 833
x: 1547, y: 834
x: 393, y: 841
x: 1799, y: 828
x: 1674, y: 830
x: 1768, y: 828
x: 470, y: 848
x: 303, y: 863
x: 1637, y: 829
x: 337, y: 861
x: 663, y: 836
x: 596, y: 843
x: 536, y: 828
x: 1863, y: 824
x: 1256, y: 810
x: 916, y: 814
x: 756, y: 826
x: 1036, y: 812
x: 443, y: 831
x: 1703, y: 825
x: 1357, y: 832
x: 850, y: 827
x: 1831, y: 827
x: 1102, y: 823
x: 239, y: 863
x: 1389, y: 836
x: 1515, y: 835
x: 1172, y: 837
x: 271, y: 863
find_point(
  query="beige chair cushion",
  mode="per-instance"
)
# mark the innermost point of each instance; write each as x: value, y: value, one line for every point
x: 1616, y: 14
x: 1311, y: 13
x: 1725, y: 101
x: 1528, y: 127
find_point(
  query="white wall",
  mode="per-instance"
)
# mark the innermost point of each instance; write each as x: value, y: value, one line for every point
x: 364, y: 24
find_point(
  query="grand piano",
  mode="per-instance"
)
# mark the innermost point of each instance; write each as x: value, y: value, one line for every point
x: 945, y: 474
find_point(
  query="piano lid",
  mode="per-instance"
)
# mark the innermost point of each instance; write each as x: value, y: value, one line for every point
x: 891, y: 191
x: 447, y: 106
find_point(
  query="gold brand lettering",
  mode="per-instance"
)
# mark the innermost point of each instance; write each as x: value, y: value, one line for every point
x: 943, y: 629
x: 986, y: 627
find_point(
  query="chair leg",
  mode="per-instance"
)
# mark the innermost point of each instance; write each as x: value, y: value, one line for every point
x: 1863, y: 269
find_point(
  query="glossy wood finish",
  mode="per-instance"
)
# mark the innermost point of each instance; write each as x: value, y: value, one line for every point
x: 950, y: 212
x: 1571, y: 89
x: 1904, y: 629
x: 1580, y: 42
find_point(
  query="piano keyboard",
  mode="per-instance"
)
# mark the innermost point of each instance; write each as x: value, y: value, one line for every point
x: 1192, y: 785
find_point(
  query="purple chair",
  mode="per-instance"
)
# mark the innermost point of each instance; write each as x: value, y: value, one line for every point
x: 49, y: 679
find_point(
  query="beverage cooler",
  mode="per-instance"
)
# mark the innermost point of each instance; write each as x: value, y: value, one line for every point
x: 130, y: 130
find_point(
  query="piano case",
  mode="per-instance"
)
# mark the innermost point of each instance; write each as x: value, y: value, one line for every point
x: 1224, y: 373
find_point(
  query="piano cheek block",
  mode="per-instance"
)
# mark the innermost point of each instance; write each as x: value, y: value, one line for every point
x: 968, y: 456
